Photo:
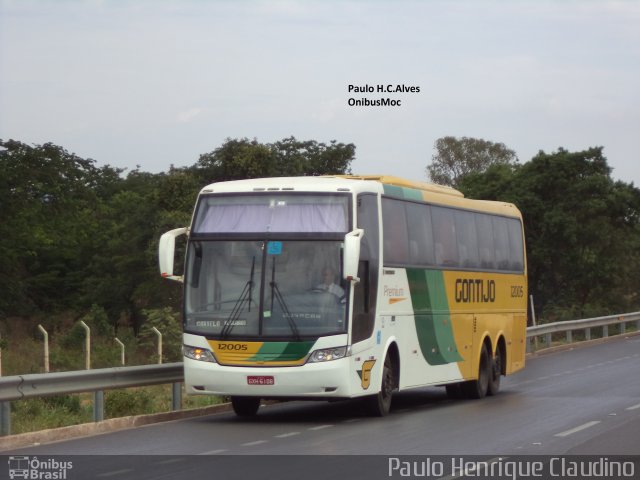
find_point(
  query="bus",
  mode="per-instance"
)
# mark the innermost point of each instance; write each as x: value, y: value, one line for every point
x: 344, y: 287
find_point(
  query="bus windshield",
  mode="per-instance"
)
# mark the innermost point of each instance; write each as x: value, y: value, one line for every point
x: 264, y: 288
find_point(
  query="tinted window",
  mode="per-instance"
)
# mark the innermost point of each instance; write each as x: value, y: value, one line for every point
x: 516, y: 245
x: 420, y: 234
x: 444, y: 235
x: 485, y: 241
x: 394, y: 227
x: 467, y: 236
x: 417, y: 234
x: 501, y: 242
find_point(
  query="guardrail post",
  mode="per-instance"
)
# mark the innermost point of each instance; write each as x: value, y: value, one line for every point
x: 569, y: 336
x: 605, y: 331
x: 638, y: 326
x: 121, y: 350
x: 176, y: 397
x: 157, y: 332
x: 5, y: 418
x: 87, y: 348
x: 46, y: 348
x: 98, y: 406
x: 587, y: 334
x: 623, y: 328
x: 547, y: 339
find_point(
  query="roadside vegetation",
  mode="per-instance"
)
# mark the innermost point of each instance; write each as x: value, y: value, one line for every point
x: 79, y: 242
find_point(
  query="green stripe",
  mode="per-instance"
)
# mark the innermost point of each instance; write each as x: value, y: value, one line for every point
x: 402, y: 192
x: 281, y: 351
x: 432, y: 317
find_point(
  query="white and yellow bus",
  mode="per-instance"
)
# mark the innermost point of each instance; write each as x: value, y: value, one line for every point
x: 348, y: 286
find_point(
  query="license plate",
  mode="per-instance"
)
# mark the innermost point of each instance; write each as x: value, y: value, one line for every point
x: 261, y: 380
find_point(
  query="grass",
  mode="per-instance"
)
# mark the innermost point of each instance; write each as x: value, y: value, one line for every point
x: 35, y: 414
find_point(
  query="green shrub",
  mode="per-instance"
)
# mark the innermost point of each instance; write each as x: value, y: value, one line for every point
x: 122, y: 403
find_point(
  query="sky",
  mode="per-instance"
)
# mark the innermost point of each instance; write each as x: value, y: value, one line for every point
x: 151, y: 84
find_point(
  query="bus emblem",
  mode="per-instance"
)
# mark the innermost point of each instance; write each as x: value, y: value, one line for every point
x: 365, y: 373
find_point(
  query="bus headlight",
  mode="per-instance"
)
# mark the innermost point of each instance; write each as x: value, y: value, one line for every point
x: 197, y: 353
x: 328, y: 354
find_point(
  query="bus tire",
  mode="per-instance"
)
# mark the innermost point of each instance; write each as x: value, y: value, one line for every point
x: 495, y: 372
x: 379, y: 405
x: 477, y: 389
x: 245, y: 406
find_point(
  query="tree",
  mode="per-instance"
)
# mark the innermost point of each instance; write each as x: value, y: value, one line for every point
x: 243, y: 158
x: 48, y: 222
x: 457, y: 157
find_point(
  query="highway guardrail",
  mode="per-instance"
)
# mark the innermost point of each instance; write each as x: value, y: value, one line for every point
x: 19, y: 387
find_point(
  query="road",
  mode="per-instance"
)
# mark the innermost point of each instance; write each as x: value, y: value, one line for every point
x: 585, y: 400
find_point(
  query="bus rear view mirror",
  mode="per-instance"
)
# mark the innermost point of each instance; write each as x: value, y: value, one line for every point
x: 351, y: 255
x: 166, y: 252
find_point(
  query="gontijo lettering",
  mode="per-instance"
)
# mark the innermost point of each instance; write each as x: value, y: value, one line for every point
x: 469, y: 290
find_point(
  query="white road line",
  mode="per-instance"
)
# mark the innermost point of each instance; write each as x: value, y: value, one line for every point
x: 171, y: 460
x: 288, y: 434
x: 251, y: 444
x: 577, y: 429
x: 321, y: 427
x: 114, y: 473
x: 214, y: 452
x: 635, y: 407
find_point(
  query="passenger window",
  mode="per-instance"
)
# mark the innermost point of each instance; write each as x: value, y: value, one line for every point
x: 516, y: 245
x: 420, y: 234
x: 394, y: 227
x: 467, y: 239
x: 444, y: 233
x: 501, y: 242
x: 485, y: 242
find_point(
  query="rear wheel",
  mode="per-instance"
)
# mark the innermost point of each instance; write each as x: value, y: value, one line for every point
x: 245, y: 406
x: 379, y: 405
x: 478, y: 388
x: 495, y: 372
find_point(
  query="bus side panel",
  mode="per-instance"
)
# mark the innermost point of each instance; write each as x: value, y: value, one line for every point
x: 496, y: 303
x: 414, y: 312
x: 515, y: 361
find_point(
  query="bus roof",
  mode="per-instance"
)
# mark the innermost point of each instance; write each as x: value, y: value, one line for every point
x: 385, y: 184
x: 401, y: 182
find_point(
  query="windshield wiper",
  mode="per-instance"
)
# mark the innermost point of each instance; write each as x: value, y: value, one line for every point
x: 245, y: 296
x: 275, y: 292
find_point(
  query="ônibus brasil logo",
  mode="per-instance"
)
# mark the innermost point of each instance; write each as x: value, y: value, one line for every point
x: 34, y: 469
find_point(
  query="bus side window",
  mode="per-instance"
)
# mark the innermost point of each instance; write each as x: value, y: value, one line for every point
x: 501, y: 242
x: 444, y: 232
x: 485, y: 241
x: 516, y: 245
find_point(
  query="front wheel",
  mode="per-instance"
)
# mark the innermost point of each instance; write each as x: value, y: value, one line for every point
x: 379, y: 405
x: 245, y: 406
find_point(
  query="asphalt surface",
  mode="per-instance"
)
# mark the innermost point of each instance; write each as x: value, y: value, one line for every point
x: 580, y: 401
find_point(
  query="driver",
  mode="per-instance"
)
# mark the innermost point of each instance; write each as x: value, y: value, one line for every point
x: 328, y: 284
